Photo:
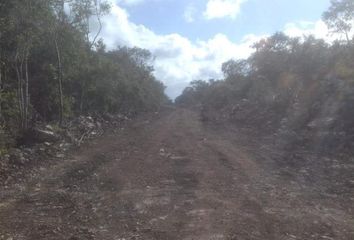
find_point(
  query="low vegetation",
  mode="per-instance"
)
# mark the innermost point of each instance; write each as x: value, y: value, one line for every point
x: 297, y: 89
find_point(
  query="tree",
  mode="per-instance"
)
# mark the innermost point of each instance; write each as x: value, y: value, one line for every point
x: 56, y: 31
x: 271, y: 58
x: 82, y: 13
x: 53, y: 65
x: 234, y: 69
x: 339, y: 17
x: 26, y: 21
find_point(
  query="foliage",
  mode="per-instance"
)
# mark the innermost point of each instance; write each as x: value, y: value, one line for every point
x: 53, y: 68
x: 287, y: 85
x: 339, y: 17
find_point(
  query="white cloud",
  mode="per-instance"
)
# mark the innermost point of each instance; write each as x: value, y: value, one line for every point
x: 135, y: 2
x: 305, y: 28
x: 223, y: 8
x: 318, y: 29
x: 130, y: 2
x: 180, y: 60
x: 189, y: 13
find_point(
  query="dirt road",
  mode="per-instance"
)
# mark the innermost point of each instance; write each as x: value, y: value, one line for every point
x: 172, y: 178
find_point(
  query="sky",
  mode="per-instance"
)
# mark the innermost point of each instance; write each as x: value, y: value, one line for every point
x: 191, y: 39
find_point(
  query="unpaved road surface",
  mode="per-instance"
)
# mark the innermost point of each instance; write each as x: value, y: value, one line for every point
x: 172, y: 177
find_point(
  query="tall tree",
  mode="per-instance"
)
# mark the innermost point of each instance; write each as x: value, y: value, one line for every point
x: 26, y: 20
x: 339, y: 17
x: 57, y: 30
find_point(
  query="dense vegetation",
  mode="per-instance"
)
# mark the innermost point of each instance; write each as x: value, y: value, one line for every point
x: 298, y: 89
x: 53, y: 67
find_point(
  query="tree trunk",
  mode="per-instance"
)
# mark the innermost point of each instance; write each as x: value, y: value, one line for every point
x: 60, y: 83
x: 21, y: 65
x: 56, y: 34
x: 82, y: 99
x: 1, y: 86
x: 27, y: 96
x: 19, y: 87
x: 1, y: 89
x: 19, y: 93
x: 98, y: 16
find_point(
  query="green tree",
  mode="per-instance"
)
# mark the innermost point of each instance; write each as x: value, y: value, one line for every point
x: 339, y: 17
x: 26, y: 21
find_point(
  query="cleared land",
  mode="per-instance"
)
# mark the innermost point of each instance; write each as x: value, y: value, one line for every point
x: 172, y: 177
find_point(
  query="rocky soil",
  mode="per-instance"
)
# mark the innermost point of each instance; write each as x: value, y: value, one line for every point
x: 46, y: 143
x: 171, y: 176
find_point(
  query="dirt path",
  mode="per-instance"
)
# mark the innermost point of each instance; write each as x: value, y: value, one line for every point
x: 171, y: 178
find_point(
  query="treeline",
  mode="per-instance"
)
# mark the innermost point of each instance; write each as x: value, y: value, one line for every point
x: 300, y: 90
x: 53, y: 67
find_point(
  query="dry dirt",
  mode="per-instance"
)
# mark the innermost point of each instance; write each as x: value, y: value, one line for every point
x: 172, y: 177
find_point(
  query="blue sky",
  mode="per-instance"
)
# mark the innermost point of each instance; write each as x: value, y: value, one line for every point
x: 191, y: 39
x: 256, y: 17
